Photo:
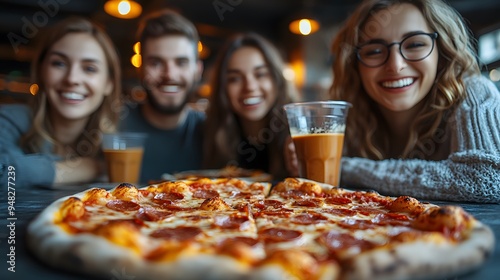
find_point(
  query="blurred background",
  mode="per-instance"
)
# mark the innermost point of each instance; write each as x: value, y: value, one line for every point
x: 304, y: 47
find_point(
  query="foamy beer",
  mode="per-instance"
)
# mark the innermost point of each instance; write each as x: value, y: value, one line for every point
x: 123, y: 153
x: 317, y: 130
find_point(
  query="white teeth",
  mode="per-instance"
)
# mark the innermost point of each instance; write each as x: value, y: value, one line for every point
x: 73, y: 96
x: 252, y: 100
x: 169, y: 88
x: 399, y: 83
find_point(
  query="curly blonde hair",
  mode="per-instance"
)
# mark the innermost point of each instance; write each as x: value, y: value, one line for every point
x: 457, y: 59
x: 106, y: 117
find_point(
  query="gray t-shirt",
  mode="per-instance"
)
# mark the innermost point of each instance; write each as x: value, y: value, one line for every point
x: 166, y: 151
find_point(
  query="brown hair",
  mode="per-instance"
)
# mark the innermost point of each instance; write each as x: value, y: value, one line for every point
x: 167, y: 22
x: 368, y: 136
x: 222, y: 130
x: 105, y: 118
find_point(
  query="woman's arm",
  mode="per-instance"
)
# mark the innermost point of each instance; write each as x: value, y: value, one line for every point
x: 77, y: 170
x: 470, y: 173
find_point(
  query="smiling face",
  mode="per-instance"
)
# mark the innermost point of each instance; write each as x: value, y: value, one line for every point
x: 399, y: 84
x: 75, y: 77
x: 170, y: 72
x: 250, y: 87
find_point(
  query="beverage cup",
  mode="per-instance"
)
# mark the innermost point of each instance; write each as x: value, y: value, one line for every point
x: 123, y: 153
x: 317, y: 129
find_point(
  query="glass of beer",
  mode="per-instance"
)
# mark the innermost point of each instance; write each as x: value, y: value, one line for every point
x: 317, y: 129
x: 123, y: 153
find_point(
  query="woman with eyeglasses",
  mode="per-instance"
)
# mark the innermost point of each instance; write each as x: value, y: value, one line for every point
x: 424, y: 122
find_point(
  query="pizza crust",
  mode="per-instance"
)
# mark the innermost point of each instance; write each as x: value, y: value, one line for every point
x: 423, y: 260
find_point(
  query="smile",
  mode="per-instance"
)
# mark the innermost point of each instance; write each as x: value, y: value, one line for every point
x: 399, y: 83
x: 170, y: 88
x: 73, y: 96
x: 252, y: 100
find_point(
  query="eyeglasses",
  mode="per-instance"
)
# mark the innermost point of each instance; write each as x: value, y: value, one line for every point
x: 415, y: 47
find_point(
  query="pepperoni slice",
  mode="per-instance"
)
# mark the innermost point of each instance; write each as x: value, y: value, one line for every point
x: 338, y: 200
x: 336, y: 242
x: 368, y: 211
x: 244, y: 195
x: 232, y: 222
x: 181, y: 233
x: 167, y: 197
x: 309, y: 219
x: 122, y: 205
x: 269, y: 203
x: 279, y: 235
x: 355, y: 224
x: 393, y: 219
x: 339, y: 211
x: 241, y: 239
x: 151, y: 214
x: 202, y: 193
x: 310, y: 202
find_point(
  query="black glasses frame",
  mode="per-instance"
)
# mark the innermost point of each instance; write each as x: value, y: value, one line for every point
x: 433, y: 35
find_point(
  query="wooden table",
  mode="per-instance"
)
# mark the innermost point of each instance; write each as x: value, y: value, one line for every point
x: 30, y: 201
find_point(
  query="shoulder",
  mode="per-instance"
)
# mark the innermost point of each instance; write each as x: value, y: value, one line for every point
x: 17, y: 114
x: 480, y: 90
x: 195, y: 116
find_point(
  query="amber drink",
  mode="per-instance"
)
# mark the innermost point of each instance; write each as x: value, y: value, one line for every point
x: 317, y: 130
x: 123, y: 153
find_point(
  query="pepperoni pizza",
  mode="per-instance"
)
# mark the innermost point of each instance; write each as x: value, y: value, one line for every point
x: 234, y: 229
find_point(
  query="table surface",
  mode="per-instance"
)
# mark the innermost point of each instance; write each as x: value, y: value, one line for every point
x: 30, y: 201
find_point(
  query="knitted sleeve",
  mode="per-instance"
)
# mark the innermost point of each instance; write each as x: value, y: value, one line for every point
x: 25, y: 169
x: 470, y: 173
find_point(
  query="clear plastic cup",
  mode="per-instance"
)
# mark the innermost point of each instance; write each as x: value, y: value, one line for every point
x: 123, y: 153
x: 317, y: 129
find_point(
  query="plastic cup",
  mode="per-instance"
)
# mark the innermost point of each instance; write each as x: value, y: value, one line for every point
x: 317, y: 130
x: 123, y: 153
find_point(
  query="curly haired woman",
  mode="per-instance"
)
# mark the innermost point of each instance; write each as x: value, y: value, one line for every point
x: 424, y: 122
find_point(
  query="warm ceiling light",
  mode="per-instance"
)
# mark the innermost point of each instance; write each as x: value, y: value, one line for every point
x: 123, y: 8
x: 304, y: 26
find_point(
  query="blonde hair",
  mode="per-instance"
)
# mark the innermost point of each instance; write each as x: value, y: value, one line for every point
x: 105, y: 118
x: 368, y: 136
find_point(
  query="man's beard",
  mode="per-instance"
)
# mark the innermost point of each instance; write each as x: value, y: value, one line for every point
x: 167, y: 110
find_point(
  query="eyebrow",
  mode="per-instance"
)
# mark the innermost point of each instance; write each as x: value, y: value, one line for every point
x: 157, y: 57
x: 257, y: 68
x: 63, y: 55
x: 407, y: 34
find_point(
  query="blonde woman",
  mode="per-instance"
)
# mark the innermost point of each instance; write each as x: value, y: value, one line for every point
x: 424, y: 122
x: 57, y: 139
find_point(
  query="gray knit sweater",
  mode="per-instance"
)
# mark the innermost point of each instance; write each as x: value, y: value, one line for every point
x: 470, y: 173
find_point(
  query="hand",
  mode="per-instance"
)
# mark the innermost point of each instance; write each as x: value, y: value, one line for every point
x: 291, y: 162
x: 77, y: 170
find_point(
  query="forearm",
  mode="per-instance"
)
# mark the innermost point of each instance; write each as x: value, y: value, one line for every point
x: 77, y: 170
x: 28, y: 169
x: 466, y: 176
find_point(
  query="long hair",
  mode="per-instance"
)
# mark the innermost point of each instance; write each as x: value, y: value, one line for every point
x: 369, y: 136
x: 222, y: 130
x: 104, y: 119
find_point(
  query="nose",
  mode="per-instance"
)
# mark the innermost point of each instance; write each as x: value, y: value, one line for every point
x: 74, y: 75
x: 395, y: 62
x: 170, y: 70
x: 251, y: 83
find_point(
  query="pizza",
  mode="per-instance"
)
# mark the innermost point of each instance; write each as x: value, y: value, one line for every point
x: 229, y: 171
x: 229, y: 228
